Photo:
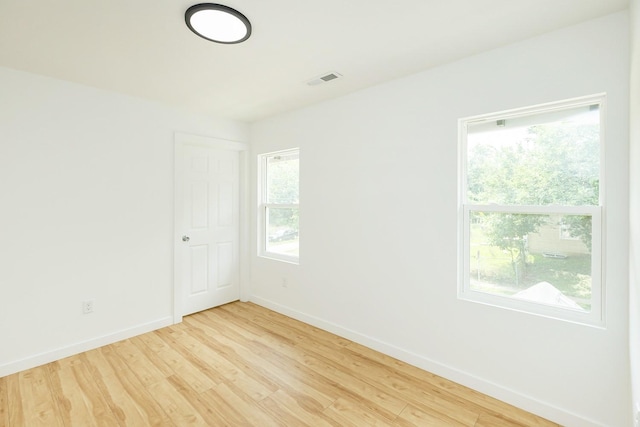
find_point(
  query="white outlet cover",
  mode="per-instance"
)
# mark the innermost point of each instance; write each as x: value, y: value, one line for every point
x: 88, y: 306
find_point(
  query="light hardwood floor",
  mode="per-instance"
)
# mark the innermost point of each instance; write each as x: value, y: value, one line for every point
x: 243, y: 365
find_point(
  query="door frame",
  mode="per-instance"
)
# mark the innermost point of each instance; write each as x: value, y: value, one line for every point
x: 180, y: 141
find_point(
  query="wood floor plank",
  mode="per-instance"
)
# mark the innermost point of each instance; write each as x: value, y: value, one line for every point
x: 175, y: 363
x: 290, y: 359
x: 491, y: 420
x: 177, y: 407
x: 249, y: 328
x: 252, y: 379
x: 37, y: 399
x: 207, y: 407
x: 163, y: 364
x: 14, y: 401
x: 512, y: 418
x: 67, y: 362
x: 434, y: 403
x: 4, y: 403
x: 227, y: 370
x: 79, y: 398
x: 446, y: 394
x: 308, y: 393
x: 386, y: 404
x: 295, y: 375
x: 226, y: 405
x: 256, y: 332
x: 235, y: 399
x: 444, y: 409
x: 420, y: 391
x: 202, y: 357
x: 356, y: 388
x: 352, y: 413
x: 299, y: 403
x: 297, y: 331
x: 321, y: 361
x: 130, y: 403
x: 220, y: 407
x: 287, y: 410
x: 413, y: 416
x: 154, y: 342
x: 143, y: 367
x: 243, y: 365
x: 304, y: 330
x: 454, y: 395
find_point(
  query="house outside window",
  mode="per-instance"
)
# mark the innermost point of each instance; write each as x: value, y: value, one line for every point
x: 531, y: 196
x: 279, y: 219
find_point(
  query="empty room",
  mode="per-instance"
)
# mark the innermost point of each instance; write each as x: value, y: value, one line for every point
x: 419, y: 213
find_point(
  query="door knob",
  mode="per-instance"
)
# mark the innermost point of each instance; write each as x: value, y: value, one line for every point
x: 185, y: 238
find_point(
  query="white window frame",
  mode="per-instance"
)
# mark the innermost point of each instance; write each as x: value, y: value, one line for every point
x: 595, y: 317
x: 263, y: 208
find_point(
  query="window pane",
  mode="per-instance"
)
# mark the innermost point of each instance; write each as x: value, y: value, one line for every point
x: 282, y: 231
x: 551, y: 158
x: 526, y: 257
x: 283, y: 178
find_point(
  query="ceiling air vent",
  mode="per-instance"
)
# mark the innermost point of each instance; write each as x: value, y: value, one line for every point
x: 327, y: 77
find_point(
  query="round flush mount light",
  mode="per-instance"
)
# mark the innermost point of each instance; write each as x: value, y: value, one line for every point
x: 218, y: 23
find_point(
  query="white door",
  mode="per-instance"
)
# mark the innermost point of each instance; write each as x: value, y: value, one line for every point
x: 209, y: 270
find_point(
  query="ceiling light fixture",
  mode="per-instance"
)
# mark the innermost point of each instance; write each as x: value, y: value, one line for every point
x: 218, y: 23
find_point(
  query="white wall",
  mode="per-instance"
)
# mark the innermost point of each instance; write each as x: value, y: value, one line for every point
x: 378, y: 225
x: 86, y: 208
x: 634, y: 247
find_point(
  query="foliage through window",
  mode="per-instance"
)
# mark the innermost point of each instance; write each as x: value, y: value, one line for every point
x: 279, y: 210
x: 531, y: 209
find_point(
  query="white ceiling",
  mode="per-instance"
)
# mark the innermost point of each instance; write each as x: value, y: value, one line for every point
x: 143, y: 48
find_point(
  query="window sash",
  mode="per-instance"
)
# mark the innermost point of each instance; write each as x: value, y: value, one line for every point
x: 264, y: 234
x: 268, y: 243
x: 594, y: 317
x: 550, y: 109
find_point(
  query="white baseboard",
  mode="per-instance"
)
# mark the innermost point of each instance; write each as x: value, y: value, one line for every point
x: 512, y: 397
x: 61, y: 353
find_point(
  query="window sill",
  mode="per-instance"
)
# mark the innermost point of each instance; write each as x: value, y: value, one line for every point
x: 281, y: 258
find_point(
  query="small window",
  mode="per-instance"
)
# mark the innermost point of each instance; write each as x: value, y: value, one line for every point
x: 279, y: 205
x: 530, y: 214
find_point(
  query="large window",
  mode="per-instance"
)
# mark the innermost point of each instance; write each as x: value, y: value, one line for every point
x: 530, y: 211
x: 279, y: 211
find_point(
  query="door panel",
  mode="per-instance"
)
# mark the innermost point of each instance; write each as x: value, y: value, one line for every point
x: 225, y: 261
x: 199, y: 270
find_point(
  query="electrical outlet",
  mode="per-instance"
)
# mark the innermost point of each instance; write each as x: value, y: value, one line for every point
x: 284, y: 282
x: 87, y: 306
